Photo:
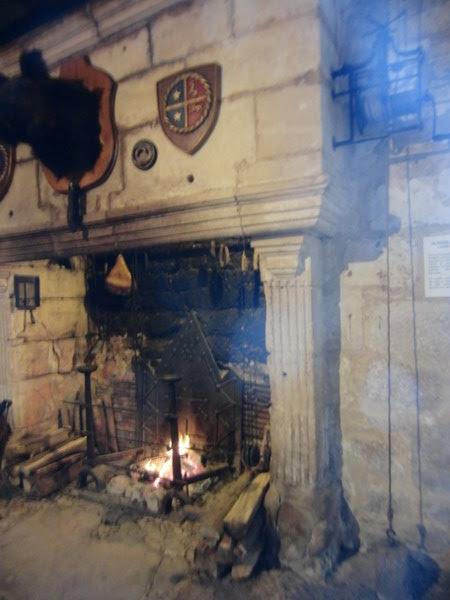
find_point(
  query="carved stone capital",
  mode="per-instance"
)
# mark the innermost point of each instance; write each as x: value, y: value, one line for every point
x: 278, y: 257
x: 285, y: 258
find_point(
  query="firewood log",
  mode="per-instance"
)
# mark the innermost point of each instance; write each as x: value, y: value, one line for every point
x: 26, y: 445
x: 30, y: 481
x: 70, y: 447
x: 225, y: 549
x: 53, y: 482
x: 128, y: 456
x: 239, y: 518
x: 245, y: 569
x: 253, y: 539
x: 212, y: 521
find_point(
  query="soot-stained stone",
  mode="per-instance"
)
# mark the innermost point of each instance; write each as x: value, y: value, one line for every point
x: 184, y: 280
x: 170, y: 281
x: 220, y: 347
x: 198, y: 298
x: 154, y: 281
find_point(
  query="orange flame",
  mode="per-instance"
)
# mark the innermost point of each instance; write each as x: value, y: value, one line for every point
x: 188, y: 464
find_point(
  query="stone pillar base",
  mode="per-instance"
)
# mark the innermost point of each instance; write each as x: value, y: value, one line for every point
x: 316, y: 530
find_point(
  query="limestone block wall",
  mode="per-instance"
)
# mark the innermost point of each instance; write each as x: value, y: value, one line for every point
x: 268, y: 134
x: 394, y: 341
x: 42, y: 356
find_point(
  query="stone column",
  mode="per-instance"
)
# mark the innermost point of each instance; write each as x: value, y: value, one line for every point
x: 314, y: 523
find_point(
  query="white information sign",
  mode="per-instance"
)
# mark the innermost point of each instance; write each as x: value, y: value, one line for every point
x: 436, y: 252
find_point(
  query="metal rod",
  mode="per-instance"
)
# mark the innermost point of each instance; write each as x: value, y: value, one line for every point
x: 172, y: 417
x: 202, y: 476
x: 87, y: 371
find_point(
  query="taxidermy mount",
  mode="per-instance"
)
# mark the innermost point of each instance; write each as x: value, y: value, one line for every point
x: 60, y: 119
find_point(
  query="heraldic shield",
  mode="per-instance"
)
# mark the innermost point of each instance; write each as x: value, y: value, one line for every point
x: 188, y: 104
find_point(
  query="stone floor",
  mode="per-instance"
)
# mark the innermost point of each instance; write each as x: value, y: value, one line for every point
x: 60, y: 549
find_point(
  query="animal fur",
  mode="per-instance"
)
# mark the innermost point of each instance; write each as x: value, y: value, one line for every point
x: 58, y: 118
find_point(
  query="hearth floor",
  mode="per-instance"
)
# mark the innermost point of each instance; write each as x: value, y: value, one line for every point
x: 58, y: 549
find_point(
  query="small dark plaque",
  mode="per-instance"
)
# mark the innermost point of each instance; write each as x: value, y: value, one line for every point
x: 26, y: 292
x: 144, y: 155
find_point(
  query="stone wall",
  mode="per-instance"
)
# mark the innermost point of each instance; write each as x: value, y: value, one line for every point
x: 270, y: 62
x: 43, y: 355
x: 392, y: 336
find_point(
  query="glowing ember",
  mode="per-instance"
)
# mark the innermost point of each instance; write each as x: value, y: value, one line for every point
x: 161, y: 468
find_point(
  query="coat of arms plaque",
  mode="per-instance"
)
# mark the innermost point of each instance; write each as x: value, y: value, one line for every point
x: 188, y: 104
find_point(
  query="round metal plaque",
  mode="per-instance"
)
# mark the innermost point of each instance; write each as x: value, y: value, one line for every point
x: 144, y: 154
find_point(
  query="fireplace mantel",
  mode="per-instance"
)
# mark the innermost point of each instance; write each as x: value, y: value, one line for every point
x: 262, y: 213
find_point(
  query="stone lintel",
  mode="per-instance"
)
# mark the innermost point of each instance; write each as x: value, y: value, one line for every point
x: 193, y: 219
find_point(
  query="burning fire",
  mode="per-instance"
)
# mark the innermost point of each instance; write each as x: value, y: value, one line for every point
x: 184, y: 444
x: 190, y: 462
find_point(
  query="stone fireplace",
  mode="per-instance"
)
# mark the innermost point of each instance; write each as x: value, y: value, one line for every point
x: 279, y: 192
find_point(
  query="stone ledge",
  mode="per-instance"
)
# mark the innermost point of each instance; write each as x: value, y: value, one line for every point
x: 253, y: 213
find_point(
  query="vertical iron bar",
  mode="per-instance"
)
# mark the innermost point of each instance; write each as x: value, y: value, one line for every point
x: 172, y: 417
x: 87, y: 370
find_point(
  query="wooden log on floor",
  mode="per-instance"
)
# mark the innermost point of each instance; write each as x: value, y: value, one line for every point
x: 206, y: 558
x: 212, y: 520
x: 238, y: 519
x: 130, y: 455
x: 54, y: 482
x: 29, y: 481
x: 253, y: 539
x: 225, y: 550
x: 245, y: 569
x: 71, y: 447
x: 20, y: 448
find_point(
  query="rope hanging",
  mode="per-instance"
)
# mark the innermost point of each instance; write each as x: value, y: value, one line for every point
x: 420, y: 526
x: 390, y: 532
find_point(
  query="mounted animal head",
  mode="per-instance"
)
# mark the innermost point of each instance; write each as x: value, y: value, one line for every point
x: 58, y: 118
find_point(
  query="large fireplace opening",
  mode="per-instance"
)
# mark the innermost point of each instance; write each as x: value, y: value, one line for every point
x: 195, y: 313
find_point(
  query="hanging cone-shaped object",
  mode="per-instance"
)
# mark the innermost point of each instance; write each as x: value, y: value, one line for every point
x: 119, y: 280
x: 244, y: 262
x: 224, y: 255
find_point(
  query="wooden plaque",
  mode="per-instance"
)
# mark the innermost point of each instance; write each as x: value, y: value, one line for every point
x: 7, y: 166
x: 94, y: 79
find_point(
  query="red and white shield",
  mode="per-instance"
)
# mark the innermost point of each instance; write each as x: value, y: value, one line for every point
x: 188, y: 104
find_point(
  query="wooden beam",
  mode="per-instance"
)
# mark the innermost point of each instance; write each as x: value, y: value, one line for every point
x: 71, y: 447
x: 239, y: 518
